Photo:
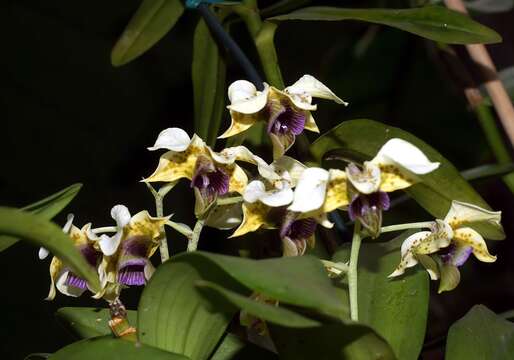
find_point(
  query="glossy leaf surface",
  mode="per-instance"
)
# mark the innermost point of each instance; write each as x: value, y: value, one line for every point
x: 47, y: 208
x: 432, y: 22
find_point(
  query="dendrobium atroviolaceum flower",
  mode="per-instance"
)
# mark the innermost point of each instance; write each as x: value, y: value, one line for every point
x: 287, y: 113
x: 212, y: 174
x: 450, y: 243
x: 362, y: 188
x: 127, y: 253
x: 62, y: 277
x: 265, y: 205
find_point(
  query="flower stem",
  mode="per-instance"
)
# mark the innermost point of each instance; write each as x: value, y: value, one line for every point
x: 229, y: 200
x: 352, y: 272
x: 415, y: 225
x: 195, y: 238
x: 159, y: 209
x: 104, y: 229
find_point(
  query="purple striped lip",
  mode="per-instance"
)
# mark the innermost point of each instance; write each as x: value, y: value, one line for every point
x: 298, y: 229
x: 75, y: 281
x: 132, y: 272
x: 287, y: 121
x: 209, y: 179
x: 363, y: 204
x: 456, y: 255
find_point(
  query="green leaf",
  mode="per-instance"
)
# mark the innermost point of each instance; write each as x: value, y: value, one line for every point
x: 274, y: 314
x: 152, y: 20
x: 47, y: 208
x: 331, y: 341
x: 437, y: 189
x: 396, y: 308
x: 432, y: 22
x: 109, y: 348
x: 176, y: 315
x: 480, y: 334
x: 232, y: 348
x: 87, y: 322
x: 41, y: 232
x: 208, y: 72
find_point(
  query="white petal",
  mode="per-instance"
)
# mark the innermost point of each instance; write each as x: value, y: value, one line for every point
x: 277, y: 197
x: 367, y: 180
x: 254, y: 191
x: 121, y: 214
x: 69, y: 222
x: 43, y: 253
x: 486, y: 222
x: 109, y: 244
x: 245, y: 98
x: 311, y: 189
x: 403, y: 153
x: 309, y: 85
x: 408, y: 258
x: 174, y: 139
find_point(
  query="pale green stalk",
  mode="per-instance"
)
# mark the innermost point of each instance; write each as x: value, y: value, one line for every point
x: 352, y: 272
x: 195, y: 238
x: 416, y: 225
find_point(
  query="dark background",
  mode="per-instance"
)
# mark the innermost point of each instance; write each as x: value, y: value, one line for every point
x: 68, y: 116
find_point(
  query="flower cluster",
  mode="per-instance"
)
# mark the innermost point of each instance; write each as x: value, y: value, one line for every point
x: 120, y: 260
x: 450, y: 242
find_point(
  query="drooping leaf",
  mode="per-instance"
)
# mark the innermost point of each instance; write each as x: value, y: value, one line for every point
x: 432, y: 22
x: 109, y: 348
x: 274, y: 314
x: 47, y: 208
x: 87, y: 322
x: 152, y: 20
x: 41, y: 232
x: 208, y: 72
x: 173, y: 315
x: 395, y: 308
x: 176, y: 315
x: 480, y: 334
x: 436, y: 190
x: 233, y: 348
x: 331, y: 341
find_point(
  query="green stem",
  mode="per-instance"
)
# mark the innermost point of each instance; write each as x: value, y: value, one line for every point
x: 195, y: 238
x: 352, y: 272
x: 495, y: 140
x: 416, y: 225
x: 159, y: 209
x: 229, y: 201
x: 104, y: 229
x: 334, y: 268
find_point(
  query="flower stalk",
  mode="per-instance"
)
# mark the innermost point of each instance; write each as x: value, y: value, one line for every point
x: 352, y: 272
x: 415, y: 225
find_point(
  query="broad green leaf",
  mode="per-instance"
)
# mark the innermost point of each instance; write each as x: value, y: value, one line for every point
x: 480, y: 334
x: 299, y: 281
x: 282, y: 6
x: 232, y: 348
x: 47, y: 208
x: 432, y: 22
x: 208, y: 72
x: 273, y: 314
x: 330, y: 341
x: 486, y: 171
x: 176, y: 315
x: 109, y: 348
x: 395, y: 308
x: 436, y: 190
x: 41, y: 232
x: 87, y: 322
x: 152, y: 20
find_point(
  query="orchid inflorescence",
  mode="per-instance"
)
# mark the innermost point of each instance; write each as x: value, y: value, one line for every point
x: 285, y: 195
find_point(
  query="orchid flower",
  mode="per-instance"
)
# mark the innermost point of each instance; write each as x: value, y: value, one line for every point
x: 62, y: 277
x: 212, y: 174
x: 287, y: 113
x: 265, y: 205
x: 127, y: 253
x: 363, y: 189
x: 450, y: 243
